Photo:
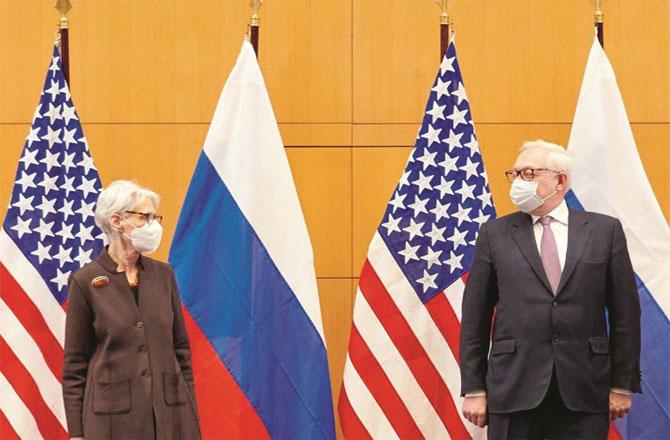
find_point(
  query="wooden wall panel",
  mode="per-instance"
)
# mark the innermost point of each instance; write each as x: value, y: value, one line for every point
x: 323, y: 179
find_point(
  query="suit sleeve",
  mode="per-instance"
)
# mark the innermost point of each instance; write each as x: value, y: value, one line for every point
x: 623, y: 305
x: 182, y: 348
x: 479, y: 299
x: 79, y: 347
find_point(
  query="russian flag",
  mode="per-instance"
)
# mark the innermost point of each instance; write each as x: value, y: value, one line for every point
x: 244, y: 264
x: 609, y: 178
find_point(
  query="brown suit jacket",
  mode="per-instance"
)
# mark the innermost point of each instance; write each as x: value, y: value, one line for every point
x: 126, y: 364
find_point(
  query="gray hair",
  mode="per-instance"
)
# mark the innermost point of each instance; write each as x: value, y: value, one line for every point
x: 118, y: 197
x: 558, y: 159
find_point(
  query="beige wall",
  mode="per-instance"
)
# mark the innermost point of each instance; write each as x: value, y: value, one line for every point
x: 348, y: 80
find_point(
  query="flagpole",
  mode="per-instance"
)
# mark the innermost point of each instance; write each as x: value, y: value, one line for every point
x: 64, y: 6
x: 444, y: 26
x: 598, y: 18
x: 255, y: 24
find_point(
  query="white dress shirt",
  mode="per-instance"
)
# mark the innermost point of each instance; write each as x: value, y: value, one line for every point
x: 559, y: 226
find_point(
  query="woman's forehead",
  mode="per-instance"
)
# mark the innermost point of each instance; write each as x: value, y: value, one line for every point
x: 144, y: 206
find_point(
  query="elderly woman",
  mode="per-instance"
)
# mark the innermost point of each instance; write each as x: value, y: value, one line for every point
x: 127, y: 364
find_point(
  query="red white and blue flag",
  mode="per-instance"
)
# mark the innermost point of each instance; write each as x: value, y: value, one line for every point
x: 244, y: 264
x: 48, y: 233
x: 609, y: 178
x: 401, y: 377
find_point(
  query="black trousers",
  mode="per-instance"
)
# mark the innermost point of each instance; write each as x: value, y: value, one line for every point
x: 550, y: 420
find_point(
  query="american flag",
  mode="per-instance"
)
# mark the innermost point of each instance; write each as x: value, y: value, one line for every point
x: 401, y: 377
x: 48, y: 233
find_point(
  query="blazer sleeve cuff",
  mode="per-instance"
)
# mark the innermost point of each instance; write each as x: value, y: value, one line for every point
x: 478, y: 393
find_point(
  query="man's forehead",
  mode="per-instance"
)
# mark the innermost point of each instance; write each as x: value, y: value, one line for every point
x: 531, y: 158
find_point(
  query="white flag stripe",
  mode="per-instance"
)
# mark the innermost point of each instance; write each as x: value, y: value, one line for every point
x: 33, y: 285
x: 18, y: 415
x: 419, y: 320
x: 399, y: 374
x: 601, y: 134
x: 284, y: 233
x: 454, y: 295
x: 29, y: 354
x: 362, y: 402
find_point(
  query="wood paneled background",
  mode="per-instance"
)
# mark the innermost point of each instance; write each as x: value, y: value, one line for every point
x: 348, y: 81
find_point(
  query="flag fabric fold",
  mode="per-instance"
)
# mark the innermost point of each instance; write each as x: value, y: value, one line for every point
x: 244, y: 263
x: 609, y: 178
x: 401, y: 377
x: 49, y: 232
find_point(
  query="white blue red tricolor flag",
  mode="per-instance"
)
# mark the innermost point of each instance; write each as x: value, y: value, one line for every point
x: 48, y: 233
x: 609, y: 178
x: 244, y: 264
x: 401, y: 377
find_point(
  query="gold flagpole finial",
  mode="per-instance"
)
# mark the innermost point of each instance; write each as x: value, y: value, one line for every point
x: 444, y: 8
x: 63, y: 6
x: 599, y: 11
x: 255, y: 7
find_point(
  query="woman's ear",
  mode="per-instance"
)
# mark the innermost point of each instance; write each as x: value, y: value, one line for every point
x: 115, y: 222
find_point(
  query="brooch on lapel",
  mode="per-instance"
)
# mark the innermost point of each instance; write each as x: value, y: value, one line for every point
x: 99, y: 282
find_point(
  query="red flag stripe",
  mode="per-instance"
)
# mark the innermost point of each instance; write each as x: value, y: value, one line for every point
x: 33, y: 321
x: 352, y: 428
x: 381, y: 388
x: 446, y: 321
x: 224, y: 410
x: 413, y: 353
x: 26, y: 388
x: 6, y: 430
x: 613, y: 433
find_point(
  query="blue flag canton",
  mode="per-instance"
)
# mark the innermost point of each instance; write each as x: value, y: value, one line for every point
x: 51, y: 212
x: 443, y: 197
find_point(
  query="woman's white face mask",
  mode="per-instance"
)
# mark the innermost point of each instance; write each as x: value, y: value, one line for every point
x: 146, y: 238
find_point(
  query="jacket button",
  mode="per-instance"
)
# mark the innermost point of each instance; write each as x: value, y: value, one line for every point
x: 146, y: 373
x: 139, y: 324
x: 555, y: 337
x: 554, y: 304
x: 143, y: 349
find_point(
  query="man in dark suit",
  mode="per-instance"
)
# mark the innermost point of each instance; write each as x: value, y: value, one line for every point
x: 556, y: 278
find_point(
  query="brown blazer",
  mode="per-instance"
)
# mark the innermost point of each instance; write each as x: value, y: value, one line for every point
x: 125, y: 364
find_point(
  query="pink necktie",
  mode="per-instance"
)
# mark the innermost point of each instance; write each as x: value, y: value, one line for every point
x: 549, y: 254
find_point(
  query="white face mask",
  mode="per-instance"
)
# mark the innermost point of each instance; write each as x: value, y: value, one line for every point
x: 146, y: 238
x: 524, y: 194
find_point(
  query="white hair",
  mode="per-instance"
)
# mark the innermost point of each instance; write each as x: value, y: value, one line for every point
x: 118, y: 197
x: 558, y: 158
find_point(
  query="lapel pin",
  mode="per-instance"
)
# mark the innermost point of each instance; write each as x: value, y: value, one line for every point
x: 100, y: 281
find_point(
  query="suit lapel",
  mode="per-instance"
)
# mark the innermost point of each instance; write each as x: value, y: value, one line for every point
x: 578, y: 235
x: 522, y: 232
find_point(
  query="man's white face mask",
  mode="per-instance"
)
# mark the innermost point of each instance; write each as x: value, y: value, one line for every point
x: 524, y: 194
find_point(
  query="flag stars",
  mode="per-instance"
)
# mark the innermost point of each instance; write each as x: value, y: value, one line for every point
x: 432, y: 257
x: 87, y: 210
x: 49, y: 183
x: 460, y: 93
x: 462, y: 214
x: 441, y: 88
x: 66, y: 209
x: 458, y: 238
x: 397, y: 201
x: 66, y: 232
x: 437, y: 112
x: 427, y: 281
x: 85, y: 234
x: 440, y: 210
x: 436, y: 234
x: 69, y: 114
x: 54, y: 65
x: 24, y: 203
x: 481, y: 218
x: 454, y: 261
x: 87, y: 163
x: 445, y: 187
x: 392, y: 224
x: 428, y: 159
x: 485, y: 197
x: 33, y: 136
x: 454, y: 140
x: 54, y: 90
x: 409, y: 253
x: 68, y: 161
x: 68, y: 185
x: 447, y: 65
x: 22, y: 227
x: 52, y: 136
x: 404, y: 179
x: 47, y: 206
x: 53, y: 113
x: 50, y: 160
x: 414, y: 229
x: 423, y: 182
x: 419, y: 205
x: 432, y: 136
x: 473, y: 145
x: 68, y: 137
x: 26, y: 181
x: 61, y: 278
x: 44, y: 229
x: 466, y: 191
x: 83, y: 256
x: 470, y: 168
x: 458, y: 117
x: 42, y: 252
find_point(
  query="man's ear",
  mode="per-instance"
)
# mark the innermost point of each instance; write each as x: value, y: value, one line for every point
x: 562, y: 182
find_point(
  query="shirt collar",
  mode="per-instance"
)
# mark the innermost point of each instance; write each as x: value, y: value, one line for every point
x: 559, y: 213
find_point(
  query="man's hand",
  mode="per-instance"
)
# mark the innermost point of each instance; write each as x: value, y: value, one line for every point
x: 619, y: 405
x: 474, y: 409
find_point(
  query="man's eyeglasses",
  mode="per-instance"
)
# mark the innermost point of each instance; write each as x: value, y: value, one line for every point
x: 526, y: 173
x: 148, y: 216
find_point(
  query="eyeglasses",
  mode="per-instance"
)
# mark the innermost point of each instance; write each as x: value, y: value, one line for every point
x: 148, y: 217
x: 526, y: 173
